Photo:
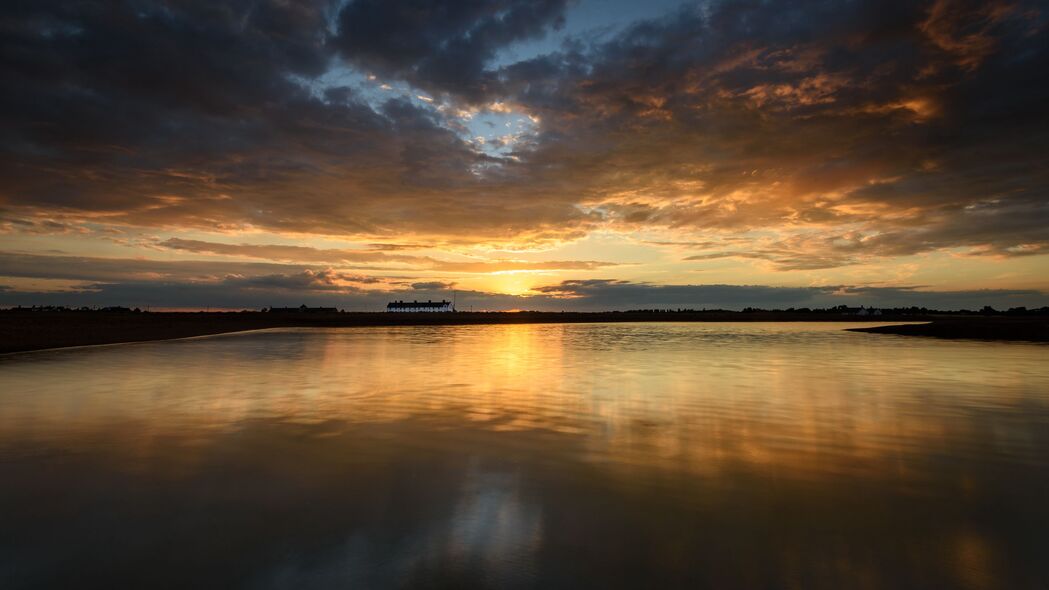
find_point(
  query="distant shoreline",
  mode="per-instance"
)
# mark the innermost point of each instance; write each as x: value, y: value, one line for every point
x: 1034, y: 329
x: 24, y: 331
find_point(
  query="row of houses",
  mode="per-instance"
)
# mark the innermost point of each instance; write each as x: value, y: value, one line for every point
x: 427, y: 306
x: 303, y: 309
x: 861, y: 311
x: 420, y: 306
x: 393, y: 306
x: 448, y: 306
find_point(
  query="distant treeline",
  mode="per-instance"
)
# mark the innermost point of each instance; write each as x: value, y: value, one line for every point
x: 63, y: 308
x: 846, y: 310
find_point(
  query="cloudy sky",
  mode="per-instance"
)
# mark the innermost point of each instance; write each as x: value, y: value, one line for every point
x: 539, y: 154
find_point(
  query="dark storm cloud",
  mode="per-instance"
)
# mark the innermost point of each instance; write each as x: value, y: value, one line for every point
x: 441, y: 45
x: 920, y: 122
x: 881, y: 128
x: 197, y: 114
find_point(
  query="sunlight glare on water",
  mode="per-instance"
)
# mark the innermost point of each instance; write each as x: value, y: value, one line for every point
x: 593, y: 455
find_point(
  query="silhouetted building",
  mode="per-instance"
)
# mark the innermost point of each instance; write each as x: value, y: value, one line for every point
x: 303, y: 309
x: 860, y: 311
x: 419, y: 306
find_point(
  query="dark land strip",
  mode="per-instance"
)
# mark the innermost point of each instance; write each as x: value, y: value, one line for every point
x: 22, y: 331
x: 1032, y: 329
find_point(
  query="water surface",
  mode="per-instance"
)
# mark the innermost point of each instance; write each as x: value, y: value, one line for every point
x: 552, y: 456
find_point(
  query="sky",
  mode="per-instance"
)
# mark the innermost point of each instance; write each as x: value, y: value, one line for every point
x: 524, y: 154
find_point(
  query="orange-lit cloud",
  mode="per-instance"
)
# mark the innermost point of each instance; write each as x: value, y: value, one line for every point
x: 351, y: 258
x: 788, y: 137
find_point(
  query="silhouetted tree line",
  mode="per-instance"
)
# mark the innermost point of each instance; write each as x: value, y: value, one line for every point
x: 84, y: 308
x: 847, y: 310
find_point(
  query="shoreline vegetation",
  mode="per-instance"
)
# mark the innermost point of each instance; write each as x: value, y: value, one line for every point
x: 23, y: 330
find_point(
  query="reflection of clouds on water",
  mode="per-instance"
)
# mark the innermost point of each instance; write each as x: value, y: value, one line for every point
x: 490, y: 537
x: 719, y: 455
x: 492, y: 522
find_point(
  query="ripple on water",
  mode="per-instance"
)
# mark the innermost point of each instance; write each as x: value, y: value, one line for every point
x: 618, y: 455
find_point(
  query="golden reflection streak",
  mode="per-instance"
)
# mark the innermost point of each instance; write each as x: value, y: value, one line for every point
x: 648, y: 413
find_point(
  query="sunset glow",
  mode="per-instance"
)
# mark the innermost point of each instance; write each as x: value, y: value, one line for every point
x: 515, y: 294
x: 535, y: 155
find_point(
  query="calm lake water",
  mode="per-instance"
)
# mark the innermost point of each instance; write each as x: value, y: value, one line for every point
x: 548, y: 456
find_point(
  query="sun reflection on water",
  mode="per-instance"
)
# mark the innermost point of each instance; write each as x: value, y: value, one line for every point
x: 483, y: 455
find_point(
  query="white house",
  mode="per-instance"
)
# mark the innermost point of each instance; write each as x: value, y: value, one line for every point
x: 419, y: 306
